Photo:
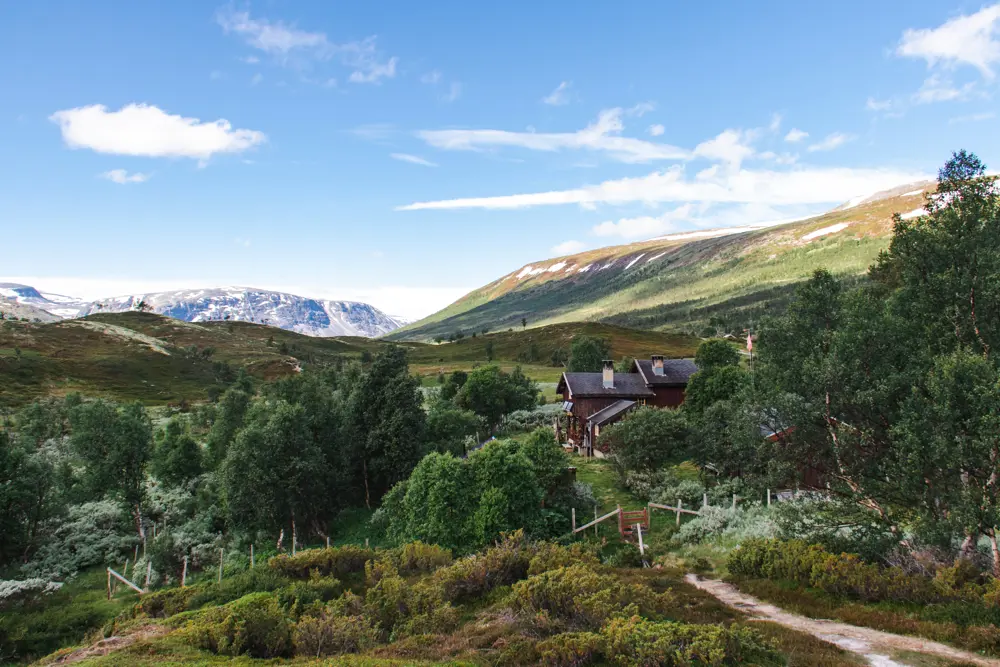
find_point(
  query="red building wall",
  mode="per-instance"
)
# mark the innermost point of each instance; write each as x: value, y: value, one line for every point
x: 667, y: 397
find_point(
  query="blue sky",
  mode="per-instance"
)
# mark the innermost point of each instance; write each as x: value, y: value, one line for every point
x: 403, y: 153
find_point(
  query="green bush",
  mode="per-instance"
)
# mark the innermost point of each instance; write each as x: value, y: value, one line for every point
x: 583, y: 598
x: 550, y: 556
x: 476, y: 575
x: 637, y: 641
x: 168, y: 602
x: 845, y: 575
x: 399, y: 609
x: 255, y: 580
x: 417, y: 557
x: 301, y: 594
x: 571, y: 649
x: 254, y: 625
x: 332, y: 562
x: 330, y: 634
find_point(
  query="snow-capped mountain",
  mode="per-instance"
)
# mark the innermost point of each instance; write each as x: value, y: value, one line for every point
x: 313, y: 317
x: 57, y: 304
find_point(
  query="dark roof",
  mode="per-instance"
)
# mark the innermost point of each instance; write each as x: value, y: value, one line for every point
x: 611, y: 413
x: 676, y: 372
x: 627, y: 385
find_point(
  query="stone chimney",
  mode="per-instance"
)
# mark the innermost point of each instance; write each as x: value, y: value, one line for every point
x: 609, y: 374
x: 657, y: 364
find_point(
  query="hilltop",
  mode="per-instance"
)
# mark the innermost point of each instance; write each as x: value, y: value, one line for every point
x: 681, y: 282
x: 159, y: 360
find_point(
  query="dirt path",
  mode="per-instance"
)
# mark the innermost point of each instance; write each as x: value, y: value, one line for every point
x: 874, y: 645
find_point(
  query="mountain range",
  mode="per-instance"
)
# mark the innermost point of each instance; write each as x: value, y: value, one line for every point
x: 313, y: 317
x: 706, y: 281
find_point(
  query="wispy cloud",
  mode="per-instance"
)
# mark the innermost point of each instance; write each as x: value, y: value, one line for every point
x: 291, y: 45
x: 937, y: 89
x: 730, y: 146
x: 433, y: 77
x: 146, y: 130
x: 973, y: 118
x: 559, y: 96
x: 795, y: 135
x: 412, y: 159
x: 122, y: 177
x: 454, y: 92
x: 878, y: 105
x: 656, y: 130
x: 568, y: 247
x: 831, y: 142
x: 802, y: 185
x: 601, y: 135
x: 963, y: 40
x: 374, y: 131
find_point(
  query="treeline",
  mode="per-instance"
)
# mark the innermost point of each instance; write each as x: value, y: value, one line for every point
x: 884, y: 397
x: 86, y: 482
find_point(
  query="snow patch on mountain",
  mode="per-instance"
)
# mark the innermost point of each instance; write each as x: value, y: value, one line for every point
x: 312, y: 317
x: 832, y: 229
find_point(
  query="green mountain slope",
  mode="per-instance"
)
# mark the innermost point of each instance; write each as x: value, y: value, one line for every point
x: 159, y: 360
x: 679, y: 282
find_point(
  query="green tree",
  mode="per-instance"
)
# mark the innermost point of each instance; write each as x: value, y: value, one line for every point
x: 455, y: 382
x: 491, y: 393
x: 719, y: 376
x: 440, y: 500
x: 449, y: 426
x: 510, y: 496
x: 229, y: 415
x: 646, y: 440
x: 715, y: 353
x: 26, y: 494
x: 587, y: 354
x: 272, y: 473
x: 176, y: 456
x: 115, y: 444
x: 489, y: 350
x: 548, y: 460
x: 387, y: 423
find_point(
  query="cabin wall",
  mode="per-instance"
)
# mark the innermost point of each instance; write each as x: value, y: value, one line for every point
x: 667, y: 397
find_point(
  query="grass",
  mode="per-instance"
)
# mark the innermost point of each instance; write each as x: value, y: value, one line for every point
x: 733, y: 276
x: 946, y: 623
x: 159, y: 360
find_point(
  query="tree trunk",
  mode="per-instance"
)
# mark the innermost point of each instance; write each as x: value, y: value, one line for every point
x: 368, y: 500
x: 996, y: 551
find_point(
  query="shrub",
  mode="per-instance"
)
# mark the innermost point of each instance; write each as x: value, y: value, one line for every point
x: 571, y: 649
x: 168, y: 602
x: 14, y: 592
x: 417, y: 557
x: 637, y: 641
x: 255, y: 580
x: 551, y: 556
x: 581, y: 597
x: 330, y: 634
x: 335, y: 561
x: 476, y: 575
x: 726, y: 523
x: 301, y: 594
x: 254, y: 625
x: 399, y: 609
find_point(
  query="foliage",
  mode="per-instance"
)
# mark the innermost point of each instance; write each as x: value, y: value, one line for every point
x: 176, y: 456
x: 637, y: 641
x: 448, y: 427
x: 587, y: 354
x: 254, y: 625
x: 89, y: 534
x: 523, y: 421
x: 492, y: 393
x: 646, y: 440
x: 331, y: 634
x: 16, y: 592
x: 333, y: 562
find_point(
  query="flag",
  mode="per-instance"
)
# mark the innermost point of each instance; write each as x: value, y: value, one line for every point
x: 749, y: 343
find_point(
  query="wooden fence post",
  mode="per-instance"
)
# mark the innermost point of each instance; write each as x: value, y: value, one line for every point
x: 184, y: 573
x: 109, y: 583
x: 679, y: 505
x: 734, y: 501
x: 704, y: 500
x: 366, y: 543
x: 253, y: 563
x: 221, y: 555
x: 327, y: 541
x: 573, y: 518
x: 149, y: 574
x: 642, y: 548
x: 769, y: 497
x: 595, y: 519
x: 294, y: 536
x: 135, y: 558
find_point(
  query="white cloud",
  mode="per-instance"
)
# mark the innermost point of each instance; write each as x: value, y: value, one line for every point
x: 963, y: 40
x: 559, y: 96
x: 289, y: 45
x: 936, y: 89
x: 568, y: 248
x: 373, y: 72
x: 275, y: 38
x: 601, y: 135
x: 122, y: 177
x: 831, y: 142
x: 374, y: 131
x: 640, y: 109
x: 412, y: 159
x: 644, y: 227
x: 454, y: 92
x: 972, y: 118
x: 878, y: 105
x: 704, y: 216
x: 803, y: 185
x: 775, y: 122
x: 730, y: 146
x: 250, y: 60
x: 656, y: 130
x: 433, y: 77
x: 146, y: 130
x: 795, y: 135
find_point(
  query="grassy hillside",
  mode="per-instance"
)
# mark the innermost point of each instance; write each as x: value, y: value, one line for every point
x: 678, y: 283
x: 158, y: 360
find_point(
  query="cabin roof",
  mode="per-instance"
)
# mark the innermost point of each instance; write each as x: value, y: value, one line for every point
x: 612, y: 412
x: 676, y: 372
x: 584, y: 385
